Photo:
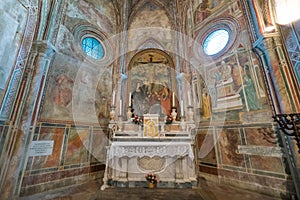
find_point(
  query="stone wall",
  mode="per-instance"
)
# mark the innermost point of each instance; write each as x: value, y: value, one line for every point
x: 246, y: 156
x: 78, y: 156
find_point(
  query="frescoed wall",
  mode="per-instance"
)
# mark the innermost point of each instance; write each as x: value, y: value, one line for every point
x: 152, y: 21
x: 51, y: 161
x: 74, y: 97
x: 292, y: 40
x: 12, y: 28
x: 235, y: 83
x: 72, y: 88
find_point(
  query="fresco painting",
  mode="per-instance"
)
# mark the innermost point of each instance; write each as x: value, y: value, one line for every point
x: 77, y: 147
x: 57, y: 135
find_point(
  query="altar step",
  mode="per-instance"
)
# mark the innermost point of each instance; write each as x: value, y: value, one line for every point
x: 150, y: 139
x: 163, y: 136
x: 144, y: 184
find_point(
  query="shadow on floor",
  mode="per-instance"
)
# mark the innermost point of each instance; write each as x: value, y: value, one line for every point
x: 205, y: 191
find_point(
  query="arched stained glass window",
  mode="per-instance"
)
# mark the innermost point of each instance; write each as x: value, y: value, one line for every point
x: 93, y: 48
x: 215, y: 42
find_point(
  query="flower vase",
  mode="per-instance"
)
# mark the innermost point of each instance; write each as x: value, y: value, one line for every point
x: 173, y: 114
x: 151, y: 185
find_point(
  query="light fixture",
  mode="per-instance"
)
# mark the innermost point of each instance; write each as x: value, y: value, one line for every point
x: 286, y: 11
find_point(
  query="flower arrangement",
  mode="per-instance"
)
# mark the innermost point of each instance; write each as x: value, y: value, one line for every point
x: 152, y: 178
x: 168, y: 120
x: 138, y: 120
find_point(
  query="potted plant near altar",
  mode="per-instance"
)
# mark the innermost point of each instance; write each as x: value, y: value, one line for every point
x: 138, y: 120
x: 168, y: 121
x: 152, y: 179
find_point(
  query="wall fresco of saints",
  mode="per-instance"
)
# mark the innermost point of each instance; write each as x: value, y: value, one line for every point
x: 151, y: 89
x: 76, y: 93
x: 235, y: 83
x: 150, y: 83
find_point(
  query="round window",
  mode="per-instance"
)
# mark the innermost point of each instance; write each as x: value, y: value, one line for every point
x: 215, y: 42
x: 93, y: 48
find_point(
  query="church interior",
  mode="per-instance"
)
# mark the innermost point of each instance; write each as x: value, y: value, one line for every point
x: 189, y: 99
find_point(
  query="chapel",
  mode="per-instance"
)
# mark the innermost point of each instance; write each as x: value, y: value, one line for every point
x: 120, y: 92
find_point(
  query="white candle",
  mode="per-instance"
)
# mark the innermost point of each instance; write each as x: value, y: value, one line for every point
x: 189, y: 98
x: 120, y: 107
x: 181, y: 108
x: 173, y: 100
x: 113, y: 96
x: 129, y: 99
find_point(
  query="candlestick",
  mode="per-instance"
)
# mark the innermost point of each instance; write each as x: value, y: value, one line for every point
x: 120, y: 107
x: 181, y: 107
x: 113, y: 96
x: 189, y: 98
x: 129, y: 104
x: 173, y: 99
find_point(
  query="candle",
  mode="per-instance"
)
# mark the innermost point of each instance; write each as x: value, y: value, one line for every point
x: 189, y: 98
x: 181, y: 107
x: 129, y: 99
x: 113, y: 96
x: 173, y: 100
x: 120, y: 107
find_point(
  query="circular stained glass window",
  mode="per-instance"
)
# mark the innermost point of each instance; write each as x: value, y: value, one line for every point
x: 215, y: 42
x: 93, y: 48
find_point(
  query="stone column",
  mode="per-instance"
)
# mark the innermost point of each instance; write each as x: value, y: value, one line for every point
x: 34, y: 85
x: 10, y: 106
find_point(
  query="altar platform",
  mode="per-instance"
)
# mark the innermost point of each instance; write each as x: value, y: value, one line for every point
x: 165, y: 150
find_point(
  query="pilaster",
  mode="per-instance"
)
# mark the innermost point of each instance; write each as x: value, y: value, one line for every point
x: 34, y: 80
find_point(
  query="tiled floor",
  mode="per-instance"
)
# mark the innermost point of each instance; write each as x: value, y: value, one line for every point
x: 205, y: 191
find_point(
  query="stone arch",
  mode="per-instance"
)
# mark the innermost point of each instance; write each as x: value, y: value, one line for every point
x: 151, y: 43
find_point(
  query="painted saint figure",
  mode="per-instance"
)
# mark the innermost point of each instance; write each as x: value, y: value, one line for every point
x: 206, y: 105
x: 62, y: 94
x: 250, y: 94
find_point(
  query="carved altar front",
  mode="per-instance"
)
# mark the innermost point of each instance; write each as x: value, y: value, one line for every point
x: 173, y: 162
x: 136, y: 151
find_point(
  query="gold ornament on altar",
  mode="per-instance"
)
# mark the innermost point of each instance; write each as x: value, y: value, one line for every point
x: 151, y: 125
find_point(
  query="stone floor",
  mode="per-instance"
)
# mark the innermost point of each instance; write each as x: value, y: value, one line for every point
x: 205, y: 191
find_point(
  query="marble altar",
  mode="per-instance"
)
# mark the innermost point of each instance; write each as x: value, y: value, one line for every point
x: 173, y: 162
x: 136, y: 150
